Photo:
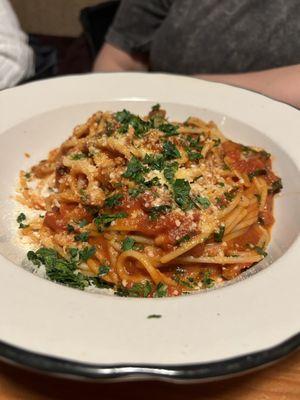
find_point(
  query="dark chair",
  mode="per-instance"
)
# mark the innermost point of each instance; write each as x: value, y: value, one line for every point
x: 95, y: 21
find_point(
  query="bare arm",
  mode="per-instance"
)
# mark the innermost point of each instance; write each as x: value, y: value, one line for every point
x: 279, y: 83
x: 112, y: 59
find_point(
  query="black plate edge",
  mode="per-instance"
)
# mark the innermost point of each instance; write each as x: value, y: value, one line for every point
x: 172, y: 373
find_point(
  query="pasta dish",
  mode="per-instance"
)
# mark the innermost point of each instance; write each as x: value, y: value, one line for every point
x: 148, y: 207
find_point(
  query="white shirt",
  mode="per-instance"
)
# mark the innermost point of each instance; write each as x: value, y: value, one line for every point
x: 16, y: 57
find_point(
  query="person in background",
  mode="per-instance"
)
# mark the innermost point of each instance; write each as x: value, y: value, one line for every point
x: 253, y: 44
x: 16, y: 57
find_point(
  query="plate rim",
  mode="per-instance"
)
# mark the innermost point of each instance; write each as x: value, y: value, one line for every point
x: 177, y: 373
x: 173, y: 373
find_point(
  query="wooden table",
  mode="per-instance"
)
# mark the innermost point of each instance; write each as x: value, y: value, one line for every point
x: 280, y: 381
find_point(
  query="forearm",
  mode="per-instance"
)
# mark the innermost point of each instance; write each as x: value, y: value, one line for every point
x: 112, y: 59
x: 279, y: 83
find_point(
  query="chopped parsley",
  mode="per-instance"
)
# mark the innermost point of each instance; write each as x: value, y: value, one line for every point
x: 58, y: 269
x: 104, y: 220
x: 263, y: 154
x: 137, y: 290
x: 125, y: 118
x: 194, y: 143
x: 154, y: 316
x: 78, y: 156
x: 82, y: 237
x: 161, y: 290
x: 183, y: 239
x: 203, y: 201
x: 193, y: 155
x: 92, y: 210
x: 189, y: 282
x: 260, y: 251
x: 135, y: 192
x: 217, y: 142
x: 128, y: 244
x: 276, y: 187
x: 169, y: 129
x: 221, y: 184
x: 86, y: 253
x: 170, y: 171
x: 155, y: 212
x: 82, y: 223
x: 257, y: 172
x: 155, y: 161
x: 70, y: 228
x: 181, y: 191
x: 170, y: 151
x: 27, y: 175
x: 135, y: 170
x: 229, y: 196
x: 207, y: 280
x: 152, y: 182
x: 156, y: 107
x: 113, y: 201
x: 218, y: 235
x: 20, y: 219
x: 103, y: 270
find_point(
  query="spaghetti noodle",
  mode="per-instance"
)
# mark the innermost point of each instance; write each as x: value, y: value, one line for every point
x: 148, y: 207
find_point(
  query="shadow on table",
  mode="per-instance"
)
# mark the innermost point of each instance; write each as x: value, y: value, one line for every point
x: 16, y: 383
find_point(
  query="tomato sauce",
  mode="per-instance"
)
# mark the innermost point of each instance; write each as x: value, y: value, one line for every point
x: 59, y: 218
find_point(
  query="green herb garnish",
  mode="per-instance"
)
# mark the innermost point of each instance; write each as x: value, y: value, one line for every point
x: 20, y: 219
x: 125, y: 118
x: 137, y: 290
x: 128, y: 244
x: 194, y: 143
x: 82, y: 237
x: 183, y: 239
x: 161, y: 290
x: 86, y: 253
x: 58, y: 269
x: 135, y: 192
x: 113, y: 201
x: 104, y: 270
x: 78, y: 156
x: 155, y: 161
x: 257, y: 172
x: 203, y: 201
x: 170, y: 171
x: 181, y: 191
x: 70, y: 228
x: 260, y: 251
x: 229, y: 196
x: 135, y: 170
x: 193, y: 155
x: 104, y: 220
x: 155, y: 212
x: 170, y: 151
x: 207, y: 280
x: 276, y: 187
x: 169, y: 129
x: 154, y: 316
x: 218, y: 235
x: 217, y: 142
x: 156, y: 107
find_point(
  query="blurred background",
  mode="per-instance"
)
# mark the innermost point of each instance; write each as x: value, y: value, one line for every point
x: 60, y: 30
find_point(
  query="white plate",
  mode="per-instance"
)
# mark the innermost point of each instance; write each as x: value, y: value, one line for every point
x: 65, y: 331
